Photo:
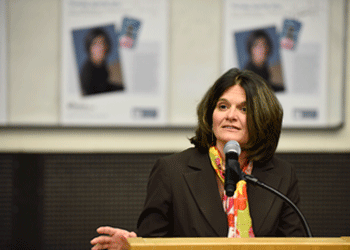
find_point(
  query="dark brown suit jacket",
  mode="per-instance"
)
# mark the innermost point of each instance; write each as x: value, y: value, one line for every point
x: 183, y: 199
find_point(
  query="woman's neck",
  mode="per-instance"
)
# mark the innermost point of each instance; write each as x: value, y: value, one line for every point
x: 242, y: 158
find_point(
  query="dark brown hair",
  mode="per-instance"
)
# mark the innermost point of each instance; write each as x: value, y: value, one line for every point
x: 264, y: 114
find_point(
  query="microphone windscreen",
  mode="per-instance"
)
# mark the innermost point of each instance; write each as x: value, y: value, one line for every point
x: 232, y: 147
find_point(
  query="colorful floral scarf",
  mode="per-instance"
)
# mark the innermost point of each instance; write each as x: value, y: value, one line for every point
x: 236, y: 207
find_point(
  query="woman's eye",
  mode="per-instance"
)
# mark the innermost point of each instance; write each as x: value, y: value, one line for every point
x: 222, y: 106
x: 244, y: 109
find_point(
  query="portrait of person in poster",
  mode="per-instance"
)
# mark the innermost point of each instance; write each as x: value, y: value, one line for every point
x: 96, y: 50
x: 290, y: 34
x: 258, y: 51
x: 129, y: 33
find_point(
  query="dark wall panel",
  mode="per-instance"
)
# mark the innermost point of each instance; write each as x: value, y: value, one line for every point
x: 83, y: 192
x: 56, y: 201
x: 325, y: 191
x: 6, y: 200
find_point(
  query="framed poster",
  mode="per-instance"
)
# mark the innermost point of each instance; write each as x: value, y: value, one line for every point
x: 114, y: 63
x: 288, y: 44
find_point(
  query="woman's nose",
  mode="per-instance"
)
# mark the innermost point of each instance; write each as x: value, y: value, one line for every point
x: 232, y: 114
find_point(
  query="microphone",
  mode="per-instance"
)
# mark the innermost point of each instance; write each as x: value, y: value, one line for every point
x: 233, y: 172
x: 255, y: 181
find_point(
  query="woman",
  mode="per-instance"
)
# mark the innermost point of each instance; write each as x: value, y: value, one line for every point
x: 185, y: 193
x: 259, y: 47
x: 94, y: 75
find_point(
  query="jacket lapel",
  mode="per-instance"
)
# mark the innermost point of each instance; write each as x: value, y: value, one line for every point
x: 202, y: 183
x: 261, y: 200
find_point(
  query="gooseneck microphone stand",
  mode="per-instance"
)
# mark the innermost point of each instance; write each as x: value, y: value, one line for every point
x: 255, y: 181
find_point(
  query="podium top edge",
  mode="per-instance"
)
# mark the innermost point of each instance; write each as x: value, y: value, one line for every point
x: 344, y: 241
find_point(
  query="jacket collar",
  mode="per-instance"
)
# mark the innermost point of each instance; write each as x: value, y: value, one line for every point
x: 261, y: 200
x: 202, y: 183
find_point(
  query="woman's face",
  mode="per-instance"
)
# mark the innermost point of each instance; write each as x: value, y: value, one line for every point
x: 259, y: 51
x: 98, y: 50
x: 230, y: 117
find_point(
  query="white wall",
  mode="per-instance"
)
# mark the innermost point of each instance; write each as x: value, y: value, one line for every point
x: 34, y: 77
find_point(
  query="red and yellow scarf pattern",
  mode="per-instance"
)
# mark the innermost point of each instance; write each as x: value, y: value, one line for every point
x: 236, y: 207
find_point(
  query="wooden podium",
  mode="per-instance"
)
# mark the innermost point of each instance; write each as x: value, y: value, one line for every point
x: 239, y: 244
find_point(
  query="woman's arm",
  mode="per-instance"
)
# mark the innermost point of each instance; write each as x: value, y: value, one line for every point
x: 156, y: 217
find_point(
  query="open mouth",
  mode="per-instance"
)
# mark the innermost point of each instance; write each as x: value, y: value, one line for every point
x: 231, y: 127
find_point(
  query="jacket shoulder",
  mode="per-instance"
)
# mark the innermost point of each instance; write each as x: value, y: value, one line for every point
x: 277, y: 164
x: 281, y: 163
x: 183, y: 157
